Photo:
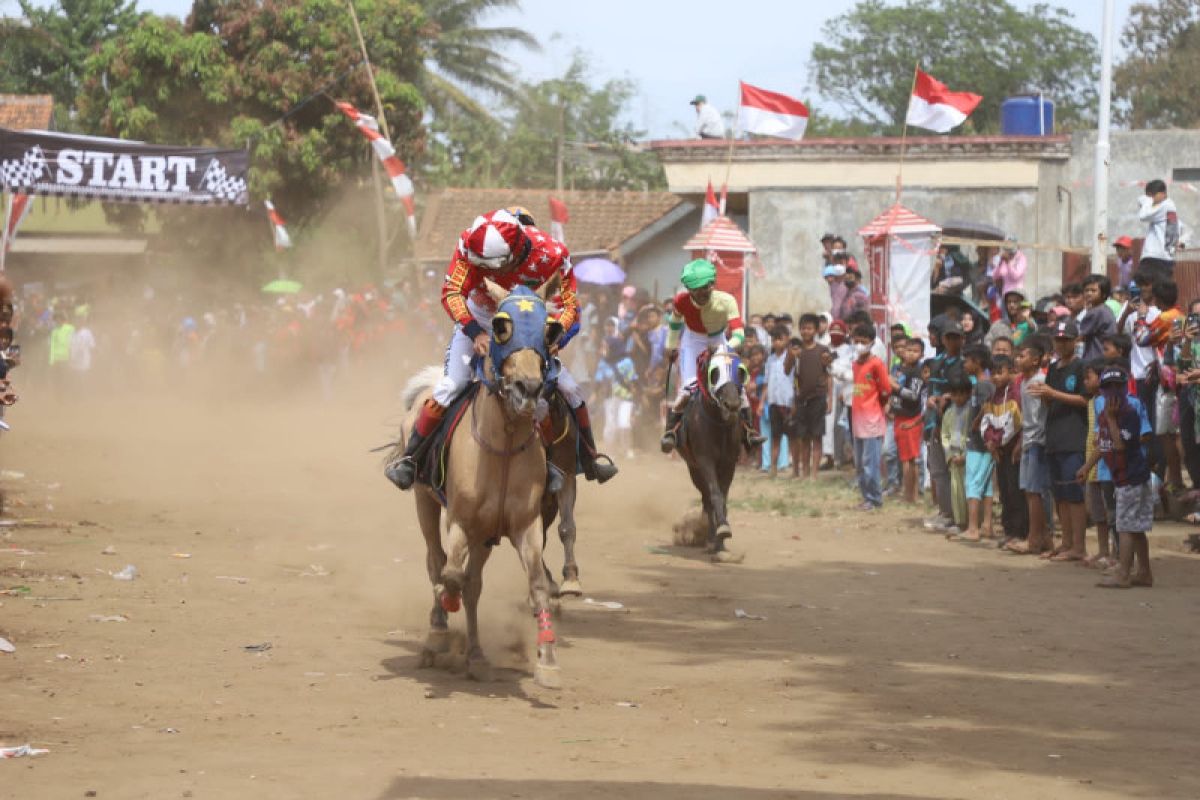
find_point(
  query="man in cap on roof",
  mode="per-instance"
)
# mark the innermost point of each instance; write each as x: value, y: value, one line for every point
x: 703, y: 317
x: 709, y: 124
x: 498, y: 246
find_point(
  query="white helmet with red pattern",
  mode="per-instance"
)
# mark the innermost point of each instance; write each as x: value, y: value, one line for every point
x: 494, y: 240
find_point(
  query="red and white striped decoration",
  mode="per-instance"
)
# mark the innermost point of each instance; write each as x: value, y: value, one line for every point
x: 278, y: 227
x: 18, y: 209
x: 559, y: 217
x: 368, y: 126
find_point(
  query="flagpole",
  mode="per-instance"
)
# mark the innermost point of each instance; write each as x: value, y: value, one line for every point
x: 904, y: 133
x: 8, y: 207
x: 1100, y: 184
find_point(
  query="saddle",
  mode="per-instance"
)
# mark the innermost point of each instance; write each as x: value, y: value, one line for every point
x: 431, y: 470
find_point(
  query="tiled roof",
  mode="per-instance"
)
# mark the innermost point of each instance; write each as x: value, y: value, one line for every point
x: 600, y: 221
x: 26, y: 111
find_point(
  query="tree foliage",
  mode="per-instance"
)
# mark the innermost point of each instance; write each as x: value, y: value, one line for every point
x: 44, y: 51
x: 1156, y: 84
x: 598, y: 150
x: 865, y: 62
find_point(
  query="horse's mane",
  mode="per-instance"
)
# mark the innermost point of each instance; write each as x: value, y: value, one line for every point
x: 427, y: 378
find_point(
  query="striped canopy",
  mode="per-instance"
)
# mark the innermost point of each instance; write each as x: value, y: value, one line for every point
x: 721, y: 235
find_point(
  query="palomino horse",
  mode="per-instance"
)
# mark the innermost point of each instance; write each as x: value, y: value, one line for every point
x: 495, y: 478
x: 562, y: 441
x: 710, y: 439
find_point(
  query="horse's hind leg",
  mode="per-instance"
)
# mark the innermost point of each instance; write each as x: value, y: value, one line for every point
x: 477, y: 663
x: 550, y: 505
x: 566, y: 532
x: 429, y: 515
x: 529, y: 548
x: 454, y: 575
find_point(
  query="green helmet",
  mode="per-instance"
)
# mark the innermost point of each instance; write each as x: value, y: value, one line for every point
x: 698, y: 274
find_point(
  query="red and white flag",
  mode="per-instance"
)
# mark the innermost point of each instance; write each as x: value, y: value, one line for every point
x: 771, y: 113
x: 368, y: 126
x: 559, y: 217
x: 711, y: 209
x: 278, y: 227
x: 936, y: 108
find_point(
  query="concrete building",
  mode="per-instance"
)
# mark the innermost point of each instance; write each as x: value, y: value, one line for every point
x: 1038, y: 188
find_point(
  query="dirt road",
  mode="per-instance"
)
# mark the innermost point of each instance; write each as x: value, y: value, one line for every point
x: 891, y: 664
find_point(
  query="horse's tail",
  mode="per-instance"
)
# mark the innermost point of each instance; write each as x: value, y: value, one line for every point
x: 427, y: 378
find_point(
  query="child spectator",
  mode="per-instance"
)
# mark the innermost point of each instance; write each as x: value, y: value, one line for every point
x: 756, y: 358
x: 617, y: 370
x: 811, y: 366
x: 908, y: 400
x: 1002, y: 346
x: 1034, y: 477
x: 1115, y: 349
x: 1001, y: 425
x: 979, y: 466
x: 871, y: 390
x: 1121, y: 431
x: 942, y: 370
x: 1066, y: 439
x: 956, y: 421
x: 780, y: 393
x: 1097, y: 320
x: 1101, y: 500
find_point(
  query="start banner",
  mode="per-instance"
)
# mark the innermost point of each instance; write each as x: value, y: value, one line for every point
x: 116, y: 170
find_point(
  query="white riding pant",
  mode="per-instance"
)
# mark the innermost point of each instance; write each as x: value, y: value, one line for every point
x: 691, y: 346
x: 457, y: 373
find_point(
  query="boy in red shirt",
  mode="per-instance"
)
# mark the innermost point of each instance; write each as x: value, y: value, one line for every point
x: 871, y: 392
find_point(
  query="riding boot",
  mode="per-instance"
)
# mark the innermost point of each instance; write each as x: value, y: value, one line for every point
x: 593, y: 469
x: 403, y: 471
x: 554, y: 479
x: 668, y: 441
x: 750, y: 437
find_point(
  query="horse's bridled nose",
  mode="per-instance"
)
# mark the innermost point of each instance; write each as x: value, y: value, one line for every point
x: 530, y: 387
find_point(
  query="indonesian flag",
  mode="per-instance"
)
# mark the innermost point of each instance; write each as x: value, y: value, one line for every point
x: 368, y: 126
x: 711, y: 209
x: 936, y: 108
x: 559, y: 216
x: 278, y: 227
x: 771, y: 113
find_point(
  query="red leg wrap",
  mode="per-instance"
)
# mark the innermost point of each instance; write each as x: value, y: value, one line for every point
x: 451, y: 602
x: 545, y: 627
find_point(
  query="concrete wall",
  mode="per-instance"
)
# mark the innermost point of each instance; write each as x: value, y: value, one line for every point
x: 787, y: 227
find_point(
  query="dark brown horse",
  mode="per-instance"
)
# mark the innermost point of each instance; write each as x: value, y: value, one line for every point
x: 710, y: 438
x: 562, y: 440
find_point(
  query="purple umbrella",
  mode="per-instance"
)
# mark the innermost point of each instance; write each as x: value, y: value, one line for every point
x: 599, y: 271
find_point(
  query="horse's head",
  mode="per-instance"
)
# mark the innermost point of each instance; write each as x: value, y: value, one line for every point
x: 521, y: 339
x: 724, y: 377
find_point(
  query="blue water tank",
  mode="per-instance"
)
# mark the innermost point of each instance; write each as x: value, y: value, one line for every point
x: 1019, y: 116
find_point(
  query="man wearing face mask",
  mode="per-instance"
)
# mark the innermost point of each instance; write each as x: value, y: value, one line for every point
x: 856, y: 297
x: 702, y: 317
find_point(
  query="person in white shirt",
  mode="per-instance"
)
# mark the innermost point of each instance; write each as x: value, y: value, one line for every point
x: 83, y: 343
x: 1162, y: 232
x: 709, y: 124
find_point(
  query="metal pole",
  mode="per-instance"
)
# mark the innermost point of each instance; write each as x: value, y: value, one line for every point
x: 8, y: 205
x: 1100, y: 179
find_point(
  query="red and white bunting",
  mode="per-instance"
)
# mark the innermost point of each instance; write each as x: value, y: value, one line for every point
x: 559, y: 217
x: 771, y: 113
x: 278, y: 227
x: 368, y: 126
x: 936, y: 108
x: 711, y: 209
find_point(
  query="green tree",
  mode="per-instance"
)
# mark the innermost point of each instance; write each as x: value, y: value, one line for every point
x: 866, y: 59
x: 1156, y: 85
x: 45, y: 49
x: 465, y: 56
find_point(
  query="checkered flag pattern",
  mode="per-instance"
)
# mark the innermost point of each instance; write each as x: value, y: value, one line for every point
x: 26, y: 172
x: 218, y: 183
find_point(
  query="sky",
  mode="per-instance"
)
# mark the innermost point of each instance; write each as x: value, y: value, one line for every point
x: 673, y: 50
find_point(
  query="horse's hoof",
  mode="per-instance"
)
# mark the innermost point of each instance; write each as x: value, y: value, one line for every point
x: 548, y: 677
x: 479, y: 669
x: 571, y: 587
x: 437, y: 641
x: 451, y: 602
x: 724, y: 532
x: 726, y: 557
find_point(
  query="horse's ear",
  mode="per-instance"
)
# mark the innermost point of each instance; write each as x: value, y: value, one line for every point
x: 550, y: 288
x: 495, y: 291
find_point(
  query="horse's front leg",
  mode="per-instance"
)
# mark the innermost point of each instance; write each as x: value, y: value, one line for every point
x: 566, y: 532
x: 528, y: 546
x: 477, y: 663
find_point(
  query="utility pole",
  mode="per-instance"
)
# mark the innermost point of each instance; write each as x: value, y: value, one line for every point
x: 1100, y: 178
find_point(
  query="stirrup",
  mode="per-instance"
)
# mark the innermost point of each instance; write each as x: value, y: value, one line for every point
x: 601, y: 472
x: 668, y: 443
